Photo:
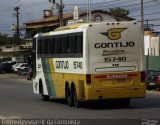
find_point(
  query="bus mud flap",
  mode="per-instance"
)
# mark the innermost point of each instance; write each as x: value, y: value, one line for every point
x: 81, y: 90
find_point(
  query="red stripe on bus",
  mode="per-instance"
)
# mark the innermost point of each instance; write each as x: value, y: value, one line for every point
x: 114, y: 76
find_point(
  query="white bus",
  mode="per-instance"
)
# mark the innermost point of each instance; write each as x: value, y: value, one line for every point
x: 89, y: 62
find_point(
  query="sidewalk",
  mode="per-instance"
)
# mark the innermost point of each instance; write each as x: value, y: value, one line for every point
x: 154, y: 92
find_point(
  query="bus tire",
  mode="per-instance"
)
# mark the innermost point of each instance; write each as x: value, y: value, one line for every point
x: 69, y: 96
x: 44, y: 97
x: 75, y: 100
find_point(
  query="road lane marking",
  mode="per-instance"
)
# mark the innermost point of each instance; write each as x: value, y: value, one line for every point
x: 9, y: 117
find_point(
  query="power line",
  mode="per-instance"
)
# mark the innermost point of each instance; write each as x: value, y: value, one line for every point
x: 5, y: 30
x: 151, y: 19
x: 135, y: 9
x: 130, y: 5
x: 157, y: 1
x: 107, y: 8
x: 156, y: 25
x: 150, y: 6
x: 114, y: 4
x: 104, y: 6
x: 100, y: 2
x: 147, y: 14
x: 92, y: 3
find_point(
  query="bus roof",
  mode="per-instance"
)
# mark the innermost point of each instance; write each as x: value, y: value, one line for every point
x: 79, y: 25
x: 74, y: 26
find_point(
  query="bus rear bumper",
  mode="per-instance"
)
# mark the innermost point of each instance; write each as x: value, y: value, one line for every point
x: 116, y: 93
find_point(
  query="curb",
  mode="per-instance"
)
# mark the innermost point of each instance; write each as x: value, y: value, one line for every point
x: 155, y: 92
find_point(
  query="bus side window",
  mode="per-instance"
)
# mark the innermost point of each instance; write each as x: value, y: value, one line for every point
x: 64, y: 45
x: 43, y: 46
x: 48, y: 46
x: 52, y: 46
x: 73, y: 41
x: 39, y: 46
x: 69, y: 44
x: 79, y: 44
x: 57, y: 46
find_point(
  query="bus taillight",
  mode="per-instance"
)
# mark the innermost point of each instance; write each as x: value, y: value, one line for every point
x: 142, y: 76
x: 88, y: 79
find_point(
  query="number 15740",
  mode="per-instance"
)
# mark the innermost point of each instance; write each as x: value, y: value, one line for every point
x: 115, y: 59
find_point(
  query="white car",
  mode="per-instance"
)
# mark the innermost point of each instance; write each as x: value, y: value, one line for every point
x: 15, y: 65
x: 19, y: 66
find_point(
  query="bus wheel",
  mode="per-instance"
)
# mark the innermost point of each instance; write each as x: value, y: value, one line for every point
x: 75, y: 100
x: 69, y: 97
x: 45, y: 97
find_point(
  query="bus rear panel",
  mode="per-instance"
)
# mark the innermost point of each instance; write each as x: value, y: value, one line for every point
x: 115, y: 57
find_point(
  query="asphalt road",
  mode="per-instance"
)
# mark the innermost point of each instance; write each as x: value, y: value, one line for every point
x: 18, y: 101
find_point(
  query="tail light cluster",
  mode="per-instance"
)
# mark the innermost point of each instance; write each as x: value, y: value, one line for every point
x: 146, y: 78
x: 143, y: 78
x: 158, y: 79
x: 88, y: 79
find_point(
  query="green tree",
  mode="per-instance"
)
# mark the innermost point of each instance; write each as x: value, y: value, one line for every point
x: 119, y: 12
x: 5, y: 39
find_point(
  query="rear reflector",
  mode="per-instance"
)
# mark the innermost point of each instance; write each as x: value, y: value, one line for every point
x: 88, y: 79
x: 158, y: 79
x: 142, y: 76
x: 115, y: 76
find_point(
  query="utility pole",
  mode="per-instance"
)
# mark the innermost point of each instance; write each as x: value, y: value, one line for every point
x: 142, y: 16
x: 89, y: 2
x: 147, y: 24
x: 61, y: 13
x: 60, y: 7
x: 17, y: 28
x: 89, y: 11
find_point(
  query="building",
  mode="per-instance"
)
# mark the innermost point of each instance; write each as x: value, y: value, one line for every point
x: 13, y: 52
x: 49, y: 22
x: 152, y: 50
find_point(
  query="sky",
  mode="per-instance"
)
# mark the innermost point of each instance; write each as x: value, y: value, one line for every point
x: 33, y: 9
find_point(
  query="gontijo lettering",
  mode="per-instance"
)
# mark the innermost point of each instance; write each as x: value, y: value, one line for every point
x: 114, y: 45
